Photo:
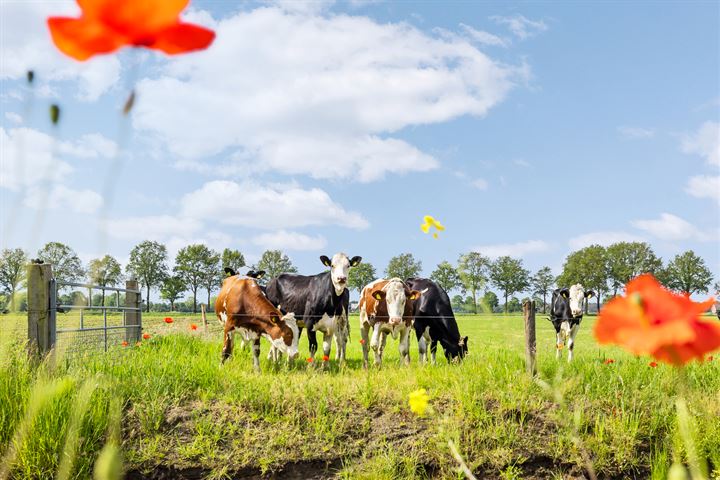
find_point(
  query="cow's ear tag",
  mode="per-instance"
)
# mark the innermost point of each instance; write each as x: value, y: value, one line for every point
x: 565, y: 295
x: 377, y: 296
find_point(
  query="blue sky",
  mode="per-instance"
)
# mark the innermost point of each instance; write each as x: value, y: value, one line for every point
x: 529, y: 129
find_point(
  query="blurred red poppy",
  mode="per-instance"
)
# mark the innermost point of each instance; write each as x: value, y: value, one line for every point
x: 107, y: 25
x: 608, y: 361
x: 310, y: 359
x: 653, y: 320
x: 193, y: 326
x: 124, y: 343
x: 653, y: 364
x: 146, y: 336
x: 362, y: 341
x: 710, y: 358
x: 168, y: 320
x: 326, y: 358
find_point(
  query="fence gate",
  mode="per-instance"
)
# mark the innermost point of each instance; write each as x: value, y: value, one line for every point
x: 77, y: 325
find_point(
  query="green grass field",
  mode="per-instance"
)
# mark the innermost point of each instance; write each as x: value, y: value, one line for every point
x: 183, y: 415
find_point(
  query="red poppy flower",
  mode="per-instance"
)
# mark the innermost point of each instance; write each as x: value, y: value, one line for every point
x: 653, y: 364
x: 653, y: 320
x: 107, y: 25
x: 124, y: 343
x: 362, y: 341
x: 310, y: 359
x: 193, y: 326
x: 146, y: 336
x: 710, y: 358
x: 608, y: 361
x: 168, y: 320
x: 326, y: 358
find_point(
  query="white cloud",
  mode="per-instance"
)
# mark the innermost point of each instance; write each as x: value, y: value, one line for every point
x: 483, y: 37
x: 284, y: 240
x: 522, y: 163
x: 30, y: 157
x: 267, y: 207
x: 671, y: 227
x: 14, y: 117
x: 704, y: 186
x: 636, y: 132
x: 521, y: 26
x: 157, y: 227
x: 61, y: 197
x: 302, y: 6
x: 705, y: 142
x: 602, y: 238
x: 25, y: 44
x: 304, y: 94
x: 519, y: 249
x: 480, y: 184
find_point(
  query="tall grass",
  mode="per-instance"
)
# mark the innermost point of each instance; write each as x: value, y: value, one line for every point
x: 181, y: 409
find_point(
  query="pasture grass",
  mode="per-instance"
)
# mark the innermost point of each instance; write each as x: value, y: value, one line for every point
x: 182, y: 410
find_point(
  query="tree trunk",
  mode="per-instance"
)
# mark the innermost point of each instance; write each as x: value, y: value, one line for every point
x: 195, y: 299
x: 172, y: 305
x: 208, y: 302
x: 506, y: 305
x: 474, y: 295
x: 544, y: 295
x: 12, y: 300
x: 598, y: 302
x: 102, y: 296
x: 147, y: 299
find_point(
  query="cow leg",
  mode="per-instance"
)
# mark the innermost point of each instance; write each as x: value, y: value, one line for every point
x: 312, y: 337
x: 404, y: 345
x: 256, y: 355
x: 558, y: 346
x: 364, y: 334
x: 433, y: 351
x: 381, y: 349
x: 422, y: 349
x: 341, y: 338
x: 571, y: 341
x: 375, y: 343
x: 227, y: 342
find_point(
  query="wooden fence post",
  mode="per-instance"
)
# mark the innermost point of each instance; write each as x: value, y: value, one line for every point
x: 204, y: 317
x: 41, y: 327
x: 530, y: 342
x: 132, y: 318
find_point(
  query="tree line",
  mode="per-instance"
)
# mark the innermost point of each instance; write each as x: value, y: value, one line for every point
x: 199, y: 268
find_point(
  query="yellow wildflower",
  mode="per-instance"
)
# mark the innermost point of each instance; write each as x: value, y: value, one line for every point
x: 419, y: 401
x: 429, y: 223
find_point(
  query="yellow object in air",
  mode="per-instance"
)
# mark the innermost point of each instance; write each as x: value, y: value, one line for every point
x: 429, y: 223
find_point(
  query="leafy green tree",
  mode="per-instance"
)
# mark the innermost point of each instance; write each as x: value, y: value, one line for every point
x: 213, y: 274
x: 473, y: 271
x: 403, y: 266
x: 105, y: 272
x: 446, y: 276
x: 66, y: 265
x: 458, y: 304
x: 588, y: 267
x: 13, y: 264
x: 508, y: 274
x: 687, y: 273
x: 627, y: 260
x: 172, y: 289
x: 360, y: 276
x: 148, y: 263
x: 197, y: 265
x: 490, y: 301
x: 541, y: 283
x: 716, y: 288
x: 233, y: 259
x: 514, y: 305
x: 274, y: 262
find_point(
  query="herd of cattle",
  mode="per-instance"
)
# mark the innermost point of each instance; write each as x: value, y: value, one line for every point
x: 319, y: 303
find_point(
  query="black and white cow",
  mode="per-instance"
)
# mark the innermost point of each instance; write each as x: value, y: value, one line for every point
x: 319, y: 302
x: 566, y: 311
x: 435, y: 322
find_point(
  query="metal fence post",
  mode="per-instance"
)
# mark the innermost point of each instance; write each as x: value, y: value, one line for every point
x: 132, y: 318
x: 530, y: 341
x: 40, y: 321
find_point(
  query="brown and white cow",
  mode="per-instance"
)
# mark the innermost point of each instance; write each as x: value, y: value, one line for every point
x: 386, y: 307
x: 241, y: 305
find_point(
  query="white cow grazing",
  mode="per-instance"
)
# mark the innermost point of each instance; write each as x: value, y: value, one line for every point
x: 386, y: 306
x: 566, y: 311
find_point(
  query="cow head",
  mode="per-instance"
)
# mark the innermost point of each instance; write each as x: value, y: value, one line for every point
x: 290, y: 337
x: 339, y: 268
x: 396, y: 294
x: 457, y: 353
x: 255, y: 274
x: 229, y: 272
x: 577, y: 297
